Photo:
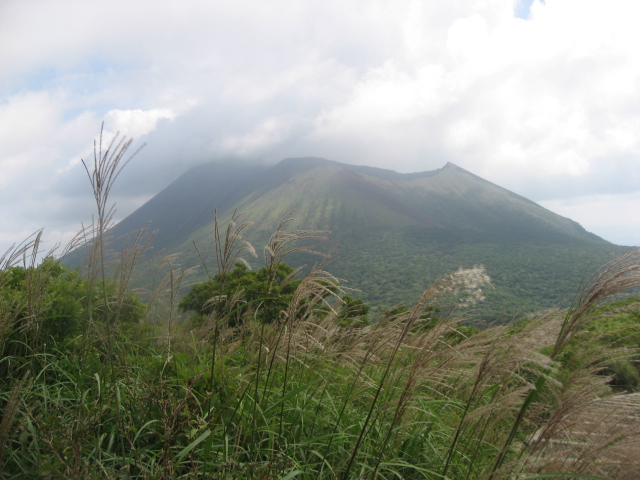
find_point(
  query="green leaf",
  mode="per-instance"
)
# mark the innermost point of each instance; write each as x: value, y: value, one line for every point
x: 186, y: 450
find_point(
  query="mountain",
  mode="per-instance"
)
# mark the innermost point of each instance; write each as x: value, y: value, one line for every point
x: 392, y: 234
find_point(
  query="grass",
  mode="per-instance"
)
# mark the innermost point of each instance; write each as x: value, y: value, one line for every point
x: 410, y: 396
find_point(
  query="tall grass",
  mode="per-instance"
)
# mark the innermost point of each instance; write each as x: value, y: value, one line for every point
x: 413, y: 395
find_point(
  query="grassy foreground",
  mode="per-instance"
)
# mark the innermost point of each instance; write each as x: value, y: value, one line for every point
x: 94, y: 386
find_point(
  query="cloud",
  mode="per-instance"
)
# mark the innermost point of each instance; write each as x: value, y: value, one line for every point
x: 610, y: 216
x: 548, y: 106
x: 134, y: 123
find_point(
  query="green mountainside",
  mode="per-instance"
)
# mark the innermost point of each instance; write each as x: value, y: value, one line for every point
x: 391, y: 234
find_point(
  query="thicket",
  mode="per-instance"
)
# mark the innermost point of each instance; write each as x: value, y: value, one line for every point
x: 280, y: 375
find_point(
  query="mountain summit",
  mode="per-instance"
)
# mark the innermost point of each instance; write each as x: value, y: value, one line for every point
x: 392, y: 233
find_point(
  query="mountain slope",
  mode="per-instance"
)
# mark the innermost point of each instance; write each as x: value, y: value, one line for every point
x: 189, y: 202
x: 391, y: 234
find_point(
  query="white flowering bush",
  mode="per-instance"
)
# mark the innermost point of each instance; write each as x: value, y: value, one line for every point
x: 463, y: 287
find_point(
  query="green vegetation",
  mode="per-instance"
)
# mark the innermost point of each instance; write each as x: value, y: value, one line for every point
x: 48, y: 302
x: 282, y: 375
x: 273, y: 289
x: 262, y: 295
x: 613, y: 333
x: 387, y: 234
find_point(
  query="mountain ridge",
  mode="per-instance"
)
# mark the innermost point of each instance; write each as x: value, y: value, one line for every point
x: 392, y: 233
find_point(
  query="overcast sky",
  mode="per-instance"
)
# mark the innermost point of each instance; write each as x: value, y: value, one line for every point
x: 542, y: 98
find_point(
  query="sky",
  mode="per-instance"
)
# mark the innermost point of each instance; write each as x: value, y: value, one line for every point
x: 542, y: 98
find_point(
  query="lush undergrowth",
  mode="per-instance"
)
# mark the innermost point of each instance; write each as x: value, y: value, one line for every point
x: 95, y: 385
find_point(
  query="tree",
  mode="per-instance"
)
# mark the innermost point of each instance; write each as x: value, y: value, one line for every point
x: 353, y: 311
x: 265, y: 292
x: 48, y: 296
x: 50, y: 300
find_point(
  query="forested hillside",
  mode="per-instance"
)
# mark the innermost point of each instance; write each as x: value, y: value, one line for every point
x: 387, y: 234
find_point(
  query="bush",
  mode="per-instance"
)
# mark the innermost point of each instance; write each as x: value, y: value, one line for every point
x: 49, y: 295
